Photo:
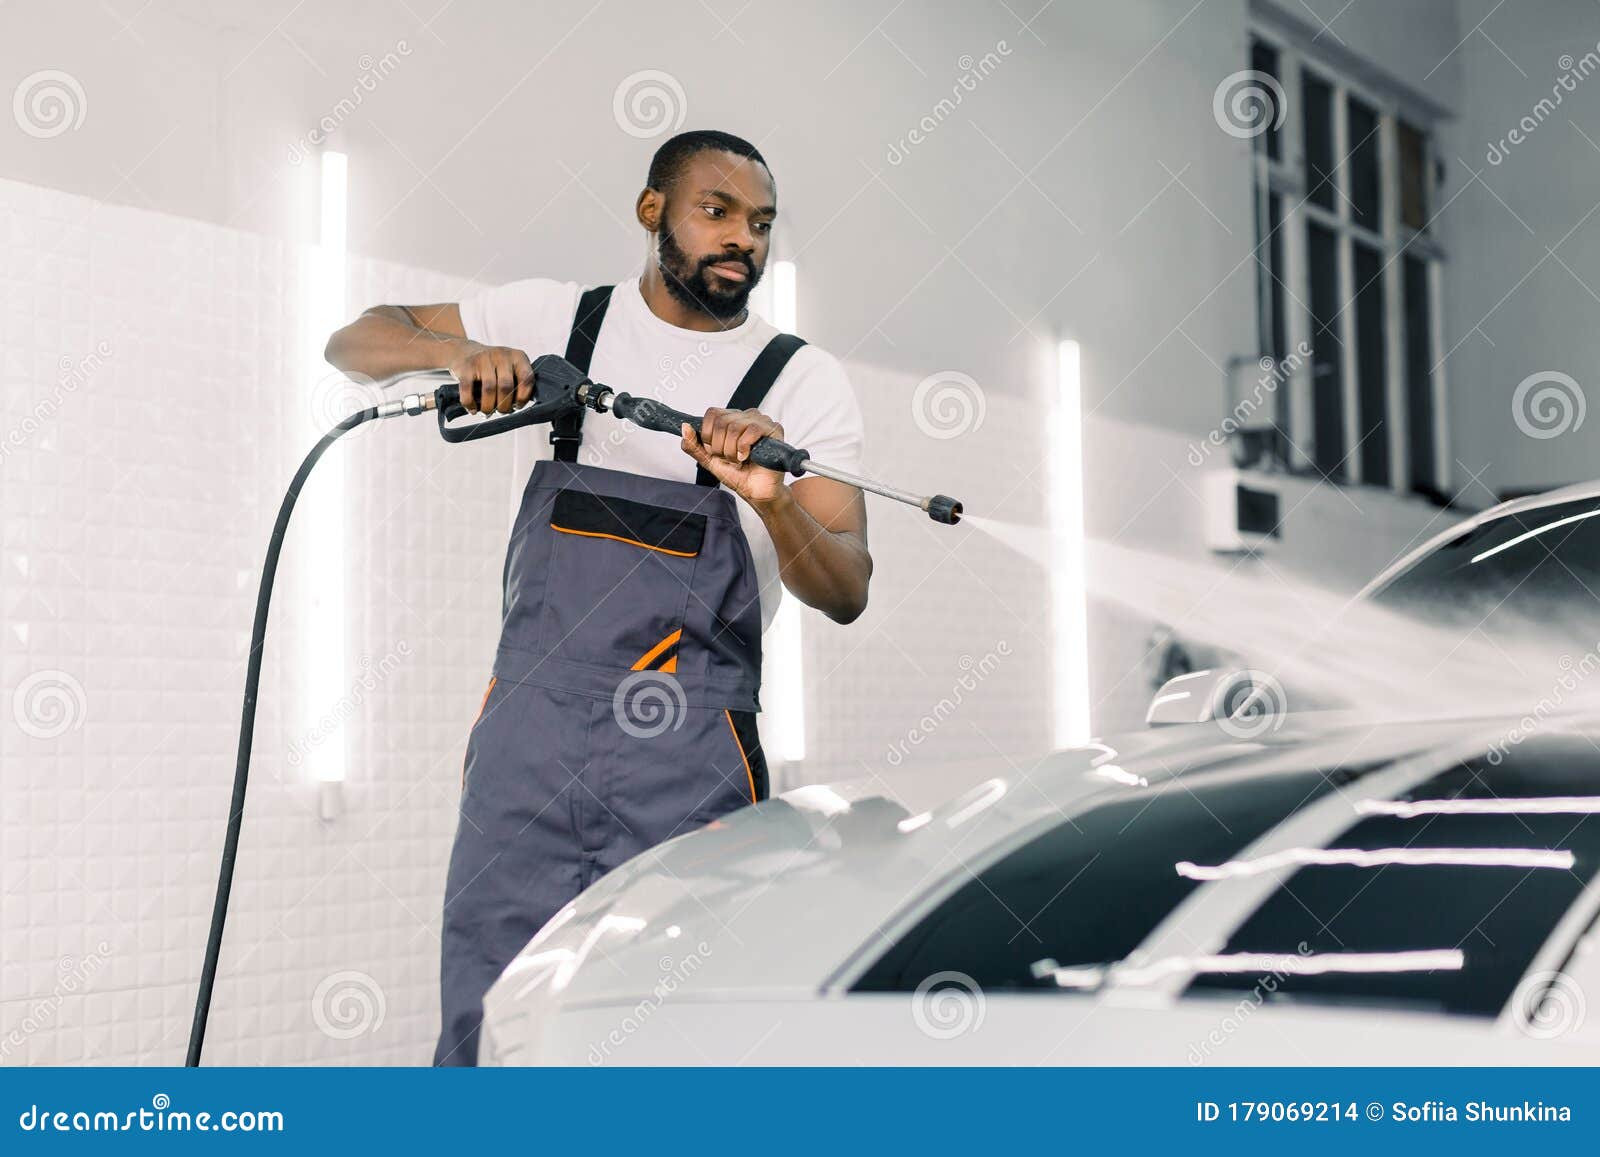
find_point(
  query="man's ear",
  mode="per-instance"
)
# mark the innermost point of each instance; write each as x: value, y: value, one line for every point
x: 648, y: 209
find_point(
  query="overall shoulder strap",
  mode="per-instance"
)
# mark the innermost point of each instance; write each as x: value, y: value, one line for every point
x: 758, y: 379
x: 566, y: 431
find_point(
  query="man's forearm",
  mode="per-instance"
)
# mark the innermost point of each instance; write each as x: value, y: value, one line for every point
x: 384, y: 342
x: 824, y: 569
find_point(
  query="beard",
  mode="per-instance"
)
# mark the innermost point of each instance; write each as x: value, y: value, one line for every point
x: 689, y: 280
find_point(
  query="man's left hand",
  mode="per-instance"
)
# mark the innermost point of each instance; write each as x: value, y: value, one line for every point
x: 723, y: 448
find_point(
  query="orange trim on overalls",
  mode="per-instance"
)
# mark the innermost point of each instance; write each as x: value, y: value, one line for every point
x: 654, y: 652
x: 750, y: 775
x: 481, y: 707
x: 629, y: 541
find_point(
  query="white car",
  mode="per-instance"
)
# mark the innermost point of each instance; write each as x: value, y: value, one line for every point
x: 1317, y: 888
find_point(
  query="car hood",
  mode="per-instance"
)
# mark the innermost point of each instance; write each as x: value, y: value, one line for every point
x: 782, y: 899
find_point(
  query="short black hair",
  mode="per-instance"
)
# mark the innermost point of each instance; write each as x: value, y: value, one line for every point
x: 668, y: 163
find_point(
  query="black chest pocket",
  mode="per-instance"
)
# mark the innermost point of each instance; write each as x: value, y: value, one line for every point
x: 620, y: 577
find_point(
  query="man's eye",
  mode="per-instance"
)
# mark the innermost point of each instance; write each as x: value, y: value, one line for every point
x: 764, y: 226
x: 714, y: 210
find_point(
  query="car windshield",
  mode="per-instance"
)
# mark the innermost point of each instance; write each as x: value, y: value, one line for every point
x: 1292, y: 887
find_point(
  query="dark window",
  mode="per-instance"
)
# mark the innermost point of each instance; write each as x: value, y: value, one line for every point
x: 1327, y: 363
x: 1413, y: 176
x: 1264, y: 59
x: 1498, y: 916
x: 1087, y: 891
x: 1419, y: 376
x: 1366, y: 197
x: 1317, y: 97
x: 1371, y: 370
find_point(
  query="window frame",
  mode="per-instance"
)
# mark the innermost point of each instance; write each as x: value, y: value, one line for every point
x: 1394, y: 240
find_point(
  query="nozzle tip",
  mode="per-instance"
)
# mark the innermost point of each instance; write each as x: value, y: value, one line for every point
x: 943, y: 508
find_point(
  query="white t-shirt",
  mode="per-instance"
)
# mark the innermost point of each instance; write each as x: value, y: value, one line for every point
x: 690, y: 370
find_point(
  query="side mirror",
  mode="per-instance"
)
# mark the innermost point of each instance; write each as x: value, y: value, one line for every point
x: 1245, y: 703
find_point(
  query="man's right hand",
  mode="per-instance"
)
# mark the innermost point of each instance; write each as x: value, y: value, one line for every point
x: 494, y: 379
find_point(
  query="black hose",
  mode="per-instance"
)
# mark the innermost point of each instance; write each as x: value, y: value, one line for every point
x: 247, y: 726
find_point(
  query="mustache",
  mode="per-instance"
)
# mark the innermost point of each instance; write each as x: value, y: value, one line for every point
x: 729, y: 259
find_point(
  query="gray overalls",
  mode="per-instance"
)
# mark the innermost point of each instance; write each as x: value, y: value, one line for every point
x: 622, y: 707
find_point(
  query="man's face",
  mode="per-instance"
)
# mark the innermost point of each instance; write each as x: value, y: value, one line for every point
x: 715, y: 230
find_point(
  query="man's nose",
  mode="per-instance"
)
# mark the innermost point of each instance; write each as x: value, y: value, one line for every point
x: 739, y: 237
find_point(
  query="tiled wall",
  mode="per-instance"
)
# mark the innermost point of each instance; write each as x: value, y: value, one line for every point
x: 156, y: 403
x: 155, y: 406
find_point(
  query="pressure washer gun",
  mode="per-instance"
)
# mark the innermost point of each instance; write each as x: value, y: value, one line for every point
x: 560, y: 387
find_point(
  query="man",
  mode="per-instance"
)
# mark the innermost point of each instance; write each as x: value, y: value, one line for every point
x: 640, y: 574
